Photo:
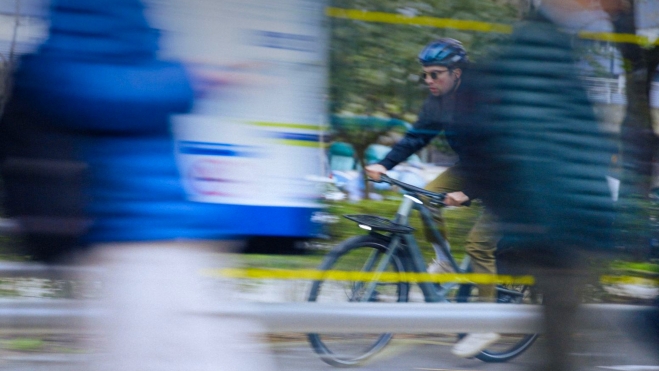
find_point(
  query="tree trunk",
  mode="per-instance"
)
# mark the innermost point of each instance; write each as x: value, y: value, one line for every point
x: 638, y: 140
x: 362, y: 163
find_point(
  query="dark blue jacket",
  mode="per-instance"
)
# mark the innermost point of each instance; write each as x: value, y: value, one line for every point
x: 439, y: 114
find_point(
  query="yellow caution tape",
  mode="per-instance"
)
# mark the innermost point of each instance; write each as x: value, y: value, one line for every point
x: 459, y: 24
x: 363, y: 15
x: 616, y: 37
x: 332, y: 275
x: 388, y: 277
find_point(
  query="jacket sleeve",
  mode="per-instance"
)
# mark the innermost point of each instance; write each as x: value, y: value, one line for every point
x: 472, y: 136
x: 425, y: 129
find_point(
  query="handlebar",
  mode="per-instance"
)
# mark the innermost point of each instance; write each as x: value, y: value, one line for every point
x: 433, y: 196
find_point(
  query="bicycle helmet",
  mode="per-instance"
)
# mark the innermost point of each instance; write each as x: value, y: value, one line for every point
x: 445, y: 52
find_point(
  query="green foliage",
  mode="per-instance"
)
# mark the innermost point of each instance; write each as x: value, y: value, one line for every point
x: 594, y: 53
x: 310, y: 261
x: 361, y: 132
x: 636, y: 267
x: 373, y: 66
x: 25, y: 344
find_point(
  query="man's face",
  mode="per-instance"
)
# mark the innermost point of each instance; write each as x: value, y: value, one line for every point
x: 443, y: 80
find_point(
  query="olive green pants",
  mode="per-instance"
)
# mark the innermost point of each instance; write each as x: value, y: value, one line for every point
x: 482, y: 239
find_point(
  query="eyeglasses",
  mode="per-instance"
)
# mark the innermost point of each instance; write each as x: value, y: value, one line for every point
x: 433, y: 74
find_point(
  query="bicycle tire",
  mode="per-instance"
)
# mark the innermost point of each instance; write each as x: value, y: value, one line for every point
x: 349, y: 350
x: 510, y: 345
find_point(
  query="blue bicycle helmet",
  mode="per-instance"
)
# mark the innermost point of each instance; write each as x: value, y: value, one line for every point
x: 445, y: 52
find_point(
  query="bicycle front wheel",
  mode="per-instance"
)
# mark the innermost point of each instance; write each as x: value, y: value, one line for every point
x: 358, y: 254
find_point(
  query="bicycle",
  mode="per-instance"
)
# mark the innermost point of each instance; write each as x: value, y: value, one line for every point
x: 390, y: 247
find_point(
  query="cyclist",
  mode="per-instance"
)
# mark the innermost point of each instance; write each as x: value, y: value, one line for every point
x: 444, y: 61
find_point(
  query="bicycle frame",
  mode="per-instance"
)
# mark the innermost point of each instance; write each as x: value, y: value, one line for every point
x: 431, y: 291
x: 393, y: 248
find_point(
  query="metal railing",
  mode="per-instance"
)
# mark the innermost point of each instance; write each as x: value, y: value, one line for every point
x: 300, y: 317
x: 412, y: 318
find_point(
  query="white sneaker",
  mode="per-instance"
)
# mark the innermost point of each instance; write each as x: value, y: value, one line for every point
x: 440, y: 266
x: 472, y: 344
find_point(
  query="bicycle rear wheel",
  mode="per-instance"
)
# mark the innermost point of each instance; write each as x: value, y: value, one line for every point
x: 358, y: 254
x: 510, y: 345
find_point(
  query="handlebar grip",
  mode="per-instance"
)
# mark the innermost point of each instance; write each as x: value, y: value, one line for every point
x: 383, y: 178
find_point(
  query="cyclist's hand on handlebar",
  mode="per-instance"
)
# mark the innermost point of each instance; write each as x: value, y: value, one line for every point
x: 375, y: 170
x: 455, y: 199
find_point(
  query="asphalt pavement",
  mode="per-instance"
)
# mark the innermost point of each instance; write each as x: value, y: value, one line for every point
x: 615, y: 346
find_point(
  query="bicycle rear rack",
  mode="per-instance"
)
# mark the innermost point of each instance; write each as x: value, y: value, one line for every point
x: 380, y: 224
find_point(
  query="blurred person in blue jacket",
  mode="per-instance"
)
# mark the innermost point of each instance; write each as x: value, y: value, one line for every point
x: 88, y: 163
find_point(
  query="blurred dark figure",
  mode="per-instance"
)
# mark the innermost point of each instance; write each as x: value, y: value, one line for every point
x: 88, y: 164
x: 542, y: 167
